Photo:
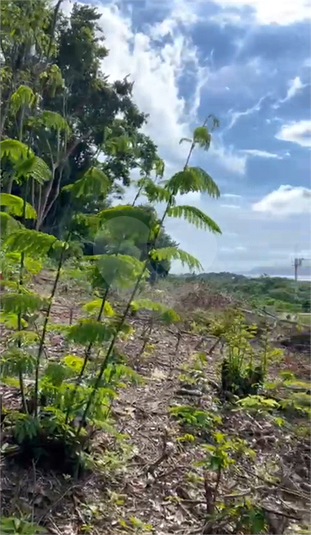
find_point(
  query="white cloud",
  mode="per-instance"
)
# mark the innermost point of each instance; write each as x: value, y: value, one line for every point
x: 227, y: 157
x: 277, y: 12
x: 234, y: 206
x: 286, y: 200
x: 295, y: 86
x: 231, y: 196
x: 235, y: 115
x: 299, y: 132
x: 261, y: 153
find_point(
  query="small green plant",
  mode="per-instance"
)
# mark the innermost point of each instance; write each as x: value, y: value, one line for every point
x: 194, y: 418
x: 20, y: 526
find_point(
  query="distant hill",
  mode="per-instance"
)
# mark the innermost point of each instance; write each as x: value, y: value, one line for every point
x: 280, y: 271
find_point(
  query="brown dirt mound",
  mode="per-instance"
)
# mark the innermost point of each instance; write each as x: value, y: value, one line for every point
x: 203, y: 297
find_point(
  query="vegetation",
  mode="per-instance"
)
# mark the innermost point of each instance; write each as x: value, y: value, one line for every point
x: 65, y: 381
x: 274, y: 293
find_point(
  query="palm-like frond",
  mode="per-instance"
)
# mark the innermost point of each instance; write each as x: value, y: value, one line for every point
x: 172, y: 253
x: 8, y: 224
x: 192, y: 179
x: 30, y: 242
x: 155, y: 193
x: 94, y: 182
x: 53, y: 120
x: 126, y: 211
x: 22, y: 97
x: 15, y: 206
x: 121, y: 270
x: 34, y: 167
x: 90, y: 332
x: 15, y: 150
x: 194, y: 216
x: 202, y: 137
x: 21, y: 303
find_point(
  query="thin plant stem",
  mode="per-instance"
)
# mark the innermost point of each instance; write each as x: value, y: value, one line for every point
x: 46, y: 321
x: 126, y: 311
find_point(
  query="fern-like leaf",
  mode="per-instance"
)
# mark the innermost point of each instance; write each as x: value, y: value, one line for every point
x: 90, y: 332
x: 16, y: 361
x: 155, y: 193
x: 8, y: 224
x: 126, y: 211
x: 202, y: 137
x: 22, y: 97
x: 94, y: 182
x: 172, y: 253
x: 192, y: 179
x: 15, y: 206
x: 15, y: 150
x: 121, y: 270
x: 53, y: 120
x: 34, y: 167
x: 194, y: 216
x: 21, y: 303
x: 94, y: 306
x: 30, y: 242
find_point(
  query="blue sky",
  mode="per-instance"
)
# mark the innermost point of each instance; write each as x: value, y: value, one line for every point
x: 247, y: 62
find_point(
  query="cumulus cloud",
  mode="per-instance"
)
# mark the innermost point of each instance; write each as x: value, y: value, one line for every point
x: 234, y: 206
x: 299, y: 132
x: 261, y: 153
x: 286, y: 200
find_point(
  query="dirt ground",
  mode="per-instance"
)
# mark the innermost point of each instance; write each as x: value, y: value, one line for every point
x: 159, y: 483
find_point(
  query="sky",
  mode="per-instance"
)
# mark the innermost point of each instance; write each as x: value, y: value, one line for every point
x: 248, y: 62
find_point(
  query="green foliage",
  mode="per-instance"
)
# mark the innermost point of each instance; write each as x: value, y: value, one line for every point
x: 194, y: 216
x: 192, y: 179
x: 193, y: 417
x: 15, y: 526
x: 15, y: 206
x: 30, y: 242
x: 172, y: 253
x: 93, y: 182
x: 21, y: 303
x: 90, y: 331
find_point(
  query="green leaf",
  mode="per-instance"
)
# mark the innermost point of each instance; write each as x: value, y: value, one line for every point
x: 22, y: 97
x: 53, y: 120
x: 192, y: 179
x: 34, y: 167
x: 15, y: 206
x: 155, y: 193
x: 194, y: 216
x: 121, y: 270
x: 202, y: 137
x: 30, y: 242
x: 94, y: 182
x: 95, y: 306
x: 21, y: 303
x: 15, y: 150
x: 8, y: 224
x: 16, y: 361
x: 90, y: 332
x: 126, y: 211
x: 172, y: 253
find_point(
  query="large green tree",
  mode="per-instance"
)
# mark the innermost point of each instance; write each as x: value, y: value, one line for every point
x: 60, y: 59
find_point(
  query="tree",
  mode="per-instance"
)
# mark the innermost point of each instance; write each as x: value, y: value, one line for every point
x: 58, y: 58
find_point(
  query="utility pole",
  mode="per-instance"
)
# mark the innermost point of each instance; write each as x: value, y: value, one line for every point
x: 297, y: 264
